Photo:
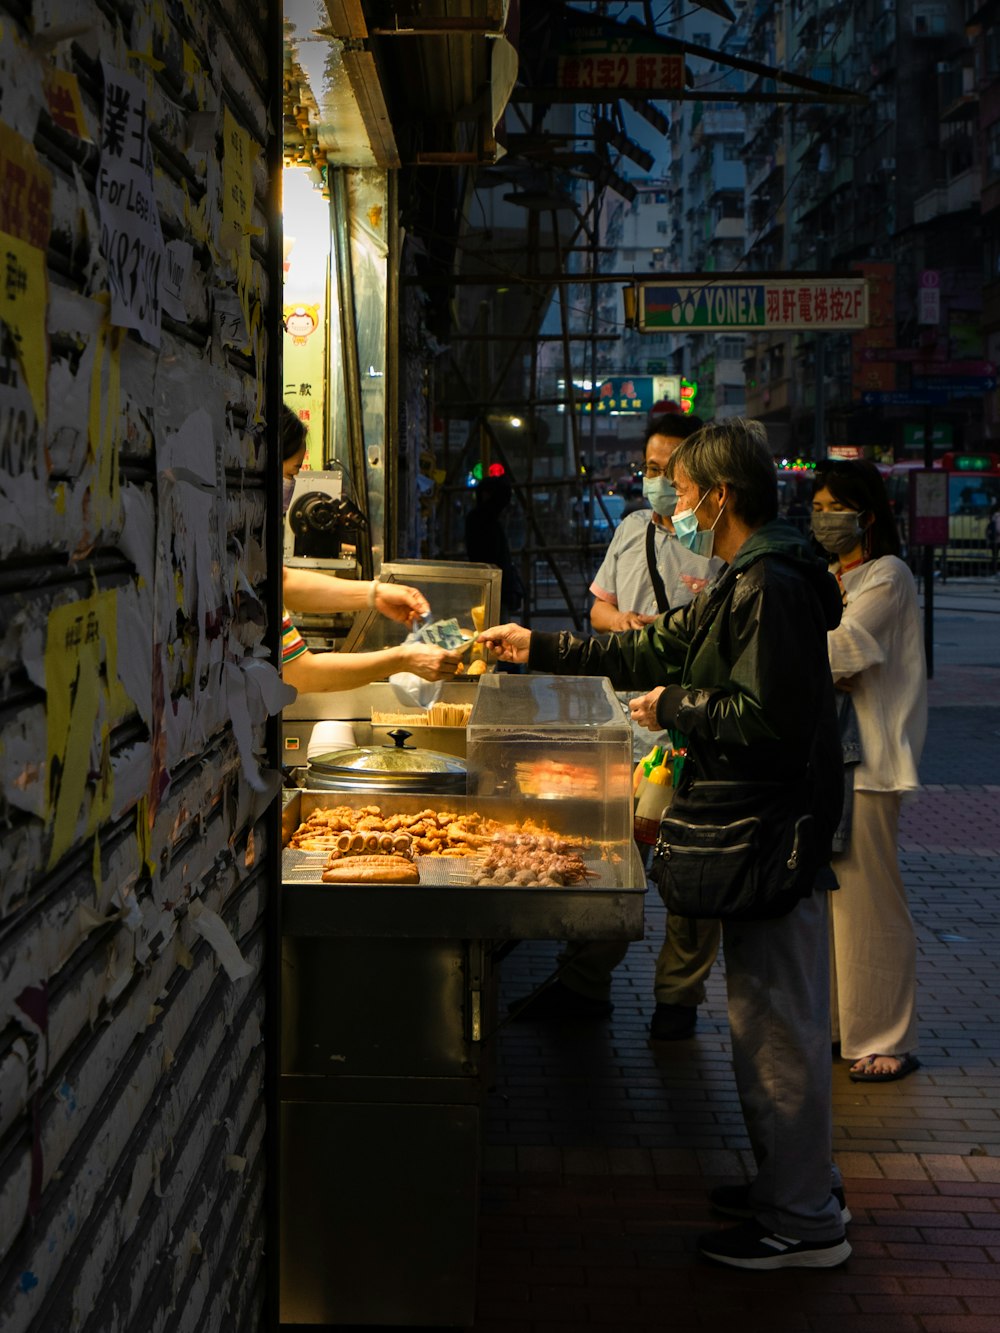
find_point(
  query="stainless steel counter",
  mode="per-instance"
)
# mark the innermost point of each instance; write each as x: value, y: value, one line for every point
x: 388, y: 1007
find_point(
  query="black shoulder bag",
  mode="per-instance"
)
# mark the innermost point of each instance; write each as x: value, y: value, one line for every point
x: 740, y: 851
x: 659, y: 591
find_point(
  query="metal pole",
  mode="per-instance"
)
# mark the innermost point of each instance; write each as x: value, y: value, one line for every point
x: 390, y: 537
x: 929, y: 554
x: 349, y: 342
x: 819, y: 417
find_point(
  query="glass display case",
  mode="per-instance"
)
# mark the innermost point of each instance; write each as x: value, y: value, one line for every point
x: 559, y: 750
x: 453, y: 588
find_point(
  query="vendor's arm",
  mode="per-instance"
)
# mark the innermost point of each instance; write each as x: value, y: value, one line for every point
x: 317, y: 672
x: 313, y: 593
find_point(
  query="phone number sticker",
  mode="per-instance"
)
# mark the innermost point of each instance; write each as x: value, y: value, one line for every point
x: 131, y: 236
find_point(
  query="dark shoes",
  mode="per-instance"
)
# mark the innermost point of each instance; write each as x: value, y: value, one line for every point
x: 557, y: 1002
x: 673, y: 1022
x: 734, y: 1201
x: 750, y: 1246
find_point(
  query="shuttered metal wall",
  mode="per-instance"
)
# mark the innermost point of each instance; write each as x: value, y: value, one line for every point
x: 136, y: 522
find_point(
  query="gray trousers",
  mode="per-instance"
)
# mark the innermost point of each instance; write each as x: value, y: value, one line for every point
x: 686, y: 956
x: 777, y: 976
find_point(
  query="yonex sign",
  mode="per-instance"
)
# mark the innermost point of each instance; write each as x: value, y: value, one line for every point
x: 777, y: 304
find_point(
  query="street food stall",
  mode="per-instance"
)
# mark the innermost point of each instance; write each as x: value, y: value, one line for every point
x: 403, y: 883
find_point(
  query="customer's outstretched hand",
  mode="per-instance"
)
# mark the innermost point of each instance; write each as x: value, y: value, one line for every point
x: 510, y: 643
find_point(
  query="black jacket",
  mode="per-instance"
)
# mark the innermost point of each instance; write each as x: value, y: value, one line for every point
x: 745, y: 668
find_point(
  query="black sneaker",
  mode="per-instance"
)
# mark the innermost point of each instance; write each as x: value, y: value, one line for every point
x: 557, y: 1002
x: 672, y: 1022
x: 750, y: 1246
x: 734, y: 1201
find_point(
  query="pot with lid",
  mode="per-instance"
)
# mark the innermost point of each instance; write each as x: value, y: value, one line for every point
x: 396, y: 768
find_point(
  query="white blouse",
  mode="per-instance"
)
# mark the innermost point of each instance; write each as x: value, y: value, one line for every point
x: 880, y: 640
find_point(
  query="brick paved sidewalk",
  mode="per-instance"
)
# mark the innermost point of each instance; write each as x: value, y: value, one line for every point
x: 601, y: 1148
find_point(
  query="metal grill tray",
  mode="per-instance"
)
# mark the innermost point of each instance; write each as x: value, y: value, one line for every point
x: 449, y: 904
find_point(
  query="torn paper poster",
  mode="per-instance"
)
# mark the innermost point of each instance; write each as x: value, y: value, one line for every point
x: 190, y: 453
x: 174, y: 280
x: 21, y: 95
x: 24, y: 343
x: 65, y: 105
x: 26, y: 199
x: 82, y: 699
x: 216, y: 933
x: 103, y: 513
x: 25, y: 506
x: 131, y: 237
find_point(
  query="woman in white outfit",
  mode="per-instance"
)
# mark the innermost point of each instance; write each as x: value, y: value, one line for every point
x: 876, y: 654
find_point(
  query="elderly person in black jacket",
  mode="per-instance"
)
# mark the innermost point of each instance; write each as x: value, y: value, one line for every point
x: 743, y: 672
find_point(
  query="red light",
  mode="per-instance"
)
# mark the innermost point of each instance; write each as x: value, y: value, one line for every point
x: 496, y: 470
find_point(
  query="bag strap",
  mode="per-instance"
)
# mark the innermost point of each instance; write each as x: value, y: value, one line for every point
x: 659, y: 591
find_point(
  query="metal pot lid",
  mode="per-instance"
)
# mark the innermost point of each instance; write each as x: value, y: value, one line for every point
x: 390, y: 760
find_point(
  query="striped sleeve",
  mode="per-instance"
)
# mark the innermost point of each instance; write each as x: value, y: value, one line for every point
x: 292, y: 643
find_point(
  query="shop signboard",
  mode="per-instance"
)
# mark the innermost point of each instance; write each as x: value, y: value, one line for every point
x: 824, y: 305
x: 905, y: 398
x: 941, y: 435
x: 605, y: 60
x: 929, y: 507
x: 631, y: 394
x: 956, y: 386
x: 929, y: 297
x: 961, y: 369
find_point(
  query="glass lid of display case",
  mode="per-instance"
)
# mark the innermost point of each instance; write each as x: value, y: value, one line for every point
x: 506, y: 701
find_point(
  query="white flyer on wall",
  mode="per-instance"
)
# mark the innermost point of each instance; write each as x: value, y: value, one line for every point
x: 131, y: 237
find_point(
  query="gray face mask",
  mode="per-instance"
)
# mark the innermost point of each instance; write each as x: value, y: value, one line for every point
x: 837, y: 533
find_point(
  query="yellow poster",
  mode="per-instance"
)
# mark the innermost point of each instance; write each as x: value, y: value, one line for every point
x: 104, y: 425
x: 24, y: 298
x: 83, y: 696
x: 237, y: 183
x: 62, y: 96
x: 25, y: 191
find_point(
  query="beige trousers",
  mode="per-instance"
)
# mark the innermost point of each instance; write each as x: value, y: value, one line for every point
x: 873, y: 948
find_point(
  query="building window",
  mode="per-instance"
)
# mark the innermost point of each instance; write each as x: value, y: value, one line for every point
x: 930, y: 20
x: 732, y: 152
x: 993, y: 150
x: 661, y: 228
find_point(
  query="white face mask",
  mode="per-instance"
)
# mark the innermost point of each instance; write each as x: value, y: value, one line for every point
x: 660, y: 493
x: 287, y: 491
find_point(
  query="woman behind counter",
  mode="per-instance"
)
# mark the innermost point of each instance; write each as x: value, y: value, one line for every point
x: 312, y: 593
x: 877, y: 654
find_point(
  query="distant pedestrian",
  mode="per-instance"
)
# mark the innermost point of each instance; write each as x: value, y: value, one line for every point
x: 486, y: 538
x: 993, y: 536
x: 877, y: 654
x: 634, y: 499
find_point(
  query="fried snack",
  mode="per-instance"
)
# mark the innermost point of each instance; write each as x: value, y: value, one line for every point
x: 377, y: 868
x: 343, y: 831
